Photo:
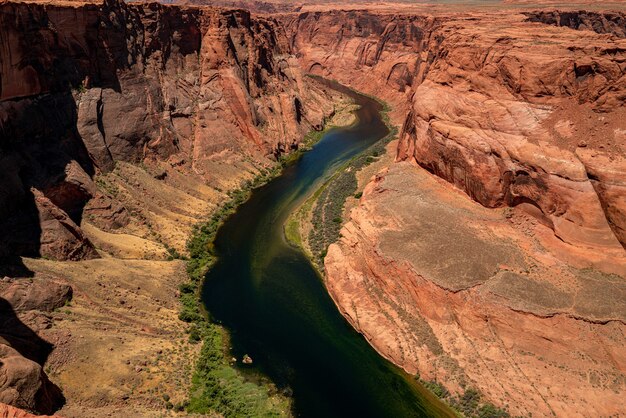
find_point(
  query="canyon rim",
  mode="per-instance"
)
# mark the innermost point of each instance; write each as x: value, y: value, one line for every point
x: 483, y: 253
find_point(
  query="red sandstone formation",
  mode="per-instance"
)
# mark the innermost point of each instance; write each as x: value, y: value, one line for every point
x: 86, y: 85
x: 514, y: 110
x: 215, y: 93
x: 7, y: 411
x: 493, y: 111
x: 24, y: 308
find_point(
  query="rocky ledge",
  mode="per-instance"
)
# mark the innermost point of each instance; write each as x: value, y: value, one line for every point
x: 505, y: 271
x: 490, y: 255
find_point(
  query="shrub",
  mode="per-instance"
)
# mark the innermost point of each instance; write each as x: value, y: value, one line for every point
x: 468, y: 404
x: 194, y: 334
x: 490, y: 411
x: 187, y: 288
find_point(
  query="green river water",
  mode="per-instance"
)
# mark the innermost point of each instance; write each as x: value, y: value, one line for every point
x: 277, y: 310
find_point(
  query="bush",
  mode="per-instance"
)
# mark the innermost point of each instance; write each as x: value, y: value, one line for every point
x: 490, y: 411
x: 173, y: 254
x: 194, y: 334
x: 468, y: 404
x: 187, y: 288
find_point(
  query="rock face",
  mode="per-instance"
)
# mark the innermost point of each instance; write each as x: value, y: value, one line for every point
x: 610, y: 22
x: 381, y: 54
x: 517, y: 111
x: 507, y: 138
x: 507, y: 117
x: 461, y: 295
x: 85, y: 86
x: 8, y: 411
x: 24, y: 308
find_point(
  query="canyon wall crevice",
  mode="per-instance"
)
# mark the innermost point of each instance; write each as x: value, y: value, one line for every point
x: 87, y: 86
x: 518, y: 115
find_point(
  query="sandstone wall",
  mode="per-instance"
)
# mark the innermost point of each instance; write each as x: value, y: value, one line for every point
x: 383, y: 55
x: 513, y: 113
x: 600, y: 22
x: 213, y: 92
x: 509, y: 109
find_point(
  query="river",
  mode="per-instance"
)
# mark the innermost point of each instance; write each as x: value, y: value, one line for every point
x: 277, y: 310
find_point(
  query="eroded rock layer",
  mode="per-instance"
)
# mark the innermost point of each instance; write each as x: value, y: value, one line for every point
x: 122, y: 126
x: 511, y: 112
x: 468, y: 297
x: 518, y: 111
x: 25, y: 307
x: 504, y: 271
x: 215, y: 93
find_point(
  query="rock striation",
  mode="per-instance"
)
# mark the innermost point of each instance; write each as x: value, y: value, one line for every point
x: 608, y: 22
x: 493, y: 111
x: 503, y: 271
x: 85, y: 86
x: 120, y: 127
x: 517, y: 111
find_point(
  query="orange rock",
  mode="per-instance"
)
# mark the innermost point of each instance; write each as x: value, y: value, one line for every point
x: 8, y: 411
x: 90, y: 84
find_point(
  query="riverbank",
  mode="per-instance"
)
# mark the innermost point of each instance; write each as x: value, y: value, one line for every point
x: 439, y: 284
x: 119, y: 346
x: 272, y: 301
x: 217, y: 385
x: 316, y: 223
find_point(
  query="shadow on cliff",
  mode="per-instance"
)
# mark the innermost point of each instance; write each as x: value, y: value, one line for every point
x: 20, y: 337
x: 39, y: 141
x: 13, y: 266
x: 39, y: 135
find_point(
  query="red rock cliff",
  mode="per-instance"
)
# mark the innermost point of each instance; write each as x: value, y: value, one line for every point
x: 512, y: 115
x: 509, y: 109
x: 215, y: 92
x: 516, y: 113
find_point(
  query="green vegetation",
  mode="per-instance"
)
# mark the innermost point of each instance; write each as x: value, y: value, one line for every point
x: 467, y: 404
x: 328, y: 201
x: 80, y: 88
x: 331, y: 197
x: 216, y: 385
x: 173, y: 254
x: 108, y: 187
x: 292, y: 231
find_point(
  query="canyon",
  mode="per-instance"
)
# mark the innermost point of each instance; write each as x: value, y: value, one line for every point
x: 486, y: 250
x: 122, y: 127
x: 519, y: 112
